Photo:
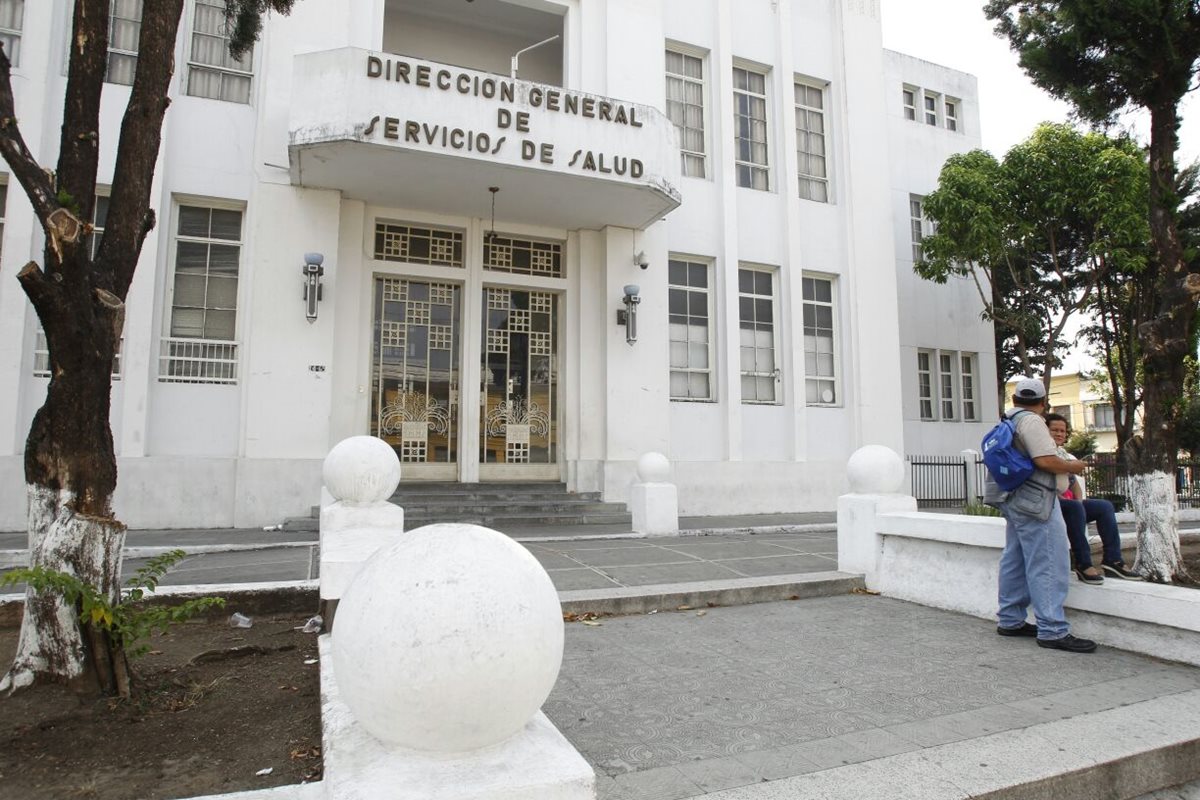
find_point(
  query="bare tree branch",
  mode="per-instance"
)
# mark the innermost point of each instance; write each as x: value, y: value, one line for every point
x: 28, y: 172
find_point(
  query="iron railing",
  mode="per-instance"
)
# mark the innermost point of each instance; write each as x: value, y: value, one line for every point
x: 939, y: 481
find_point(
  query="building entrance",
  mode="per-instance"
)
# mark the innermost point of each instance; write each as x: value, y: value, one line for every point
x: 419, y: 392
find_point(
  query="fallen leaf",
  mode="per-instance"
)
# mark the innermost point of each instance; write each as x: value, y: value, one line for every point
x: 310, y: 661
x: 593, y: 623
x: 655, y: 611
x: 266, y: 771
x: 684, y: 608
x: 860, y: 590
x: 701, y: 613
x: 154, y: 653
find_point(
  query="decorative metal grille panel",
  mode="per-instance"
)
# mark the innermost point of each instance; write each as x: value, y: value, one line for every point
x: 415, y: 369
x: 520, y: 378
x: 396, y: 241
x: 523, y: 256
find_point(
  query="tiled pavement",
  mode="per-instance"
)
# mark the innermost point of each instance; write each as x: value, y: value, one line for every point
x: 614, y: 563
x: 678, y: 704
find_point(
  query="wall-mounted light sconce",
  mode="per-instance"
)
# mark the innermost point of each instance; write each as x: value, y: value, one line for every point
x: 312, y: 271
x: 641, y: 260
x: 627, y: 316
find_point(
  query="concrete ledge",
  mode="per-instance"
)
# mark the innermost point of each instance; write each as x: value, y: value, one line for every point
x: 1116, y: 754
x: 733, y: 592
x: 952, y: 562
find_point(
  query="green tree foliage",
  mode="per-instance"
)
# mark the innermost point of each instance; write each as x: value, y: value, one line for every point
x: 1106, y: 57
x: 1081, y: 444
x: 1038, y: 231
x: 128, y: 621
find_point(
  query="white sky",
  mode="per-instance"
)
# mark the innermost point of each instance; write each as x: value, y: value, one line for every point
x: 956, y: 34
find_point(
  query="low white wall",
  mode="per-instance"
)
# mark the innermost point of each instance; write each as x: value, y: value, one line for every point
x: 952, y: 561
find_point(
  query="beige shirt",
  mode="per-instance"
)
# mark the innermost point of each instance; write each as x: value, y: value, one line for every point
x: 1034, y: 438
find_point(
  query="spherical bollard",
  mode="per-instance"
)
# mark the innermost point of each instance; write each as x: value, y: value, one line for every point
x: 653, y: 468
x: 449, y: 640
x: 361, y: 470
x: 875, y: 469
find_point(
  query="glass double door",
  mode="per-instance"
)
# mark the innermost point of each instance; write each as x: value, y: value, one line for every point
x: 447, y: 423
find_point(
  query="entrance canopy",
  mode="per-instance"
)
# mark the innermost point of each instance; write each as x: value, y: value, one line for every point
x: 398, y: 131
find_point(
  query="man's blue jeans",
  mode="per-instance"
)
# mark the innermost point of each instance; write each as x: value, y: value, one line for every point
x: 1034, y: 571
x: 1077, y: 514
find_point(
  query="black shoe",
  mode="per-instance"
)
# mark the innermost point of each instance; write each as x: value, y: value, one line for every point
x: 1095, y: 580
x: 1069, y: 643
x: 1025, y: 630
x: 1117, y: 569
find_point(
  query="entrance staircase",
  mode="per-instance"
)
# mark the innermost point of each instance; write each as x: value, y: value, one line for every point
x: 502, y: 506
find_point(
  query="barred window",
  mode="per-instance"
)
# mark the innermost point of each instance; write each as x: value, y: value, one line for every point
x: 689, y: 297
x: 413, y: 244
x: 685, y: 108
x: 522, y: 256
x: 212, y: 72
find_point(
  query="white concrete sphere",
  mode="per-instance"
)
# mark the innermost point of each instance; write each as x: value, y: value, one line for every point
x: 448, y: 640
x: 875, y: 469
x: 653, y: 468
x: 361, y: 470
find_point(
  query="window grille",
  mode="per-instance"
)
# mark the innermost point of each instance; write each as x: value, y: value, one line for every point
x: 522, y: 256
x: 395, y: 241
x: 183, y: 360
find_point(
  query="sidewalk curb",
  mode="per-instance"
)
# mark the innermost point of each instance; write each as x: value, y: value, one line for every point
x: 702, y: 594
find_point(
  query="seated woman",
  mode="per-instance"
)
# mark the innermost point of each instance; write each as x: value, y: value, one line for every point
x: 1078, y: 511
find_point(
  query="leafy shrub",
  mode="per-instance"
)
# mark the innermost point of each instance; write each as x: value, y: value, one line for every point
x: 980, y: 510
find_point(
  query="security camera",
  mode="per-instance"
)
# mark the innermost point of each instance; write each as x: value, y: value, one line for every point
x: 641, y: 260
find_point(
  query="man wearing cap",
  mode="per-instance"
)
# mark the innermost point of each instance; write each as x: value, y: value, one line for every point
x: 1036, y: 565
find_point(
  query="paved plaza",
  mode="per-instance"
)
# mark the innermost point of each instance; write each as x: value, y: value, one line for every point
x: 680, y: 704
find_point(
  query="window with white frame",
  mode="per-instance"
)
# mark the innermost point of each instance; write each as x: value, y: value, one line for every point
x: 811, y: 163
x: 124, y: 31
x: 12, y: 15
x: 951, y: 108
x: 970, y: 404
x: 750, y: 128
x: 908, y: 98
x: 930, y: 100
x: 212, y: 72
x: 1103, y: 416
x: 925, y: 383
x: 756, y: 310
x: 99, y: 217
x: 689, y: 298
x: 201, y: 346
x: 820, y: 341
x: 685, y: 108
x: 946, y: 385
x: 916, y: 214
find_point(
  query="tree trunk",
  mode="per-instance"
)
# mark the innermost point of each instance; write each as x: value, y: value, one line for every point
x: 1165, y: 344
x: 70, y: 473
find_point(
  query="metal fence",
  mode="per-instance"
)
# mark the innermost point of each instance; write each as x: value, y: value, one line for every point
x: 941, y: 481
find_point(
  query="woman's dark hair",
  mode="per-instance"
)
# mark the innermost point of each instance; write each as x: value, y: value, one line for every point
x: 1052, y: 417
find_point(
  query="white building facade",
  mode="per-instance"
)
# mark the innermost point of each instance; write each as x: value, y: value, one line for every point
x: 742, y: 170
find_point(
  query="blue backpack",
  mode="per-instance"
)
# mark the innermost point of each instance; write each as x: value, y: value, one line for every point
x: 1008, y: 465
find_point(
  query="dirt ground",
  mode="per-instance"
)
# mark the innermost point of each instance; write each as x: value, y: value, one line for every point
x: 214, y: 706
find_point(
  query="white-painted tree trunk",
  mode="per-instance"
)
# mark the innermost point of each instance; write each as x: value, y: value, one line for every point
x: 50, y: 645
x: 1152, y: 496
